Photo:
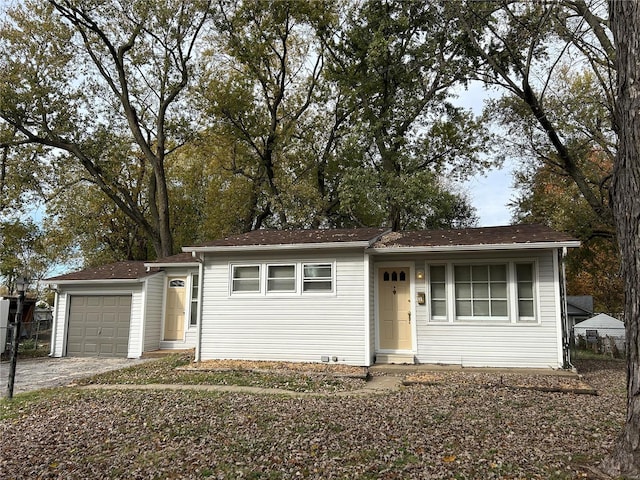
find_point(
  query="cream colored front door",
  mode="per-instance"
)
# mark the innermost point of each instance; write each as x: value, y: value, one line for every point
x: 394, y: 308
x: 175, y: 309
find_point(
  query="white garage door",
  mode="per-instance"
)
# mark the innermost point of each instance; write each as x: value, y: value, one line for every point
x: 99, y: 325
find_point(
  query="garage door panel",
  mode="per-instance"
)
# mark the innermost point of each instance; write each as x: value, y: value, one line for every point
x: 99, y: 325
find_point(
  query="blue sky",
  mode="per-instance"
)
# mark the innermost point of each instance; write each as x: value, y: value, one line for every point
x: 489, y: 193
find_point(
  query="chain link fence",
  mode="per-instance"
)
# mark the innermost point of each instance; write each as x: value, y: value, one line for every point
x: 35, y: 333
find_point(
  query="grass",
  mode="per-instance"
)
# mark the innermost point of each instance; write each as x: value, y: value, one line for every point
x: 587, y: 354
x: 164, y: 371
x: 448, y: 430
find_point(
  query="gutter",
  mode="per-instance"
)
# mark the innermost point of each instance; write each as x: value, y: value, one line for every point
x: 475, y: 248
x: 279, y: 247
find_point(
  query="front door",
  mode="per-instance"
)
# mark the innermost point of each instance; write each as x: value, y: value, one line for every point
x: 394, y: 308
x: 175, y: 309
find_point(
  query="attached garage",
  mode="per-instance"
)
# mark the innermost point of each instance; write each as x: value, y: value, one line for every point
x: 111, y: 311
x: 99, y: 325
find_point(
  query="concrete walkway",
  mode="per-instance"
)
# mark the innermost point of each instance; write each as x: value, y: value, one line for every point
x: 375, y: 385
x: 434, y: 368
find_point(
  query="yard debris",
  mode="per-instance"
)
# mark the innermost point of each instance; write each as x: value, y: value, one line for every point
x: 262, y: 366
x: 451, y: 429
x: 520, y: 380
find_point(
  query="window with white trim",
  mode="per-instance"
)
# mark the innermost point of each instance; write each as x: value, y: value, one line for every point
x: 526, y: 296
x: 193, y: 320
x: 481, y: 292
x: 438, y: 291
x: 281, y: 278
x: 317, y: 277
x: 500, y: 292
x: 245, y: 279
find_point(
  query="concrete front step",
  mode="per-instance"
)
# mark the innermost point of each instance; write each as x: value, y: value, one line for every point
x: 167, y: 351
x: 395, y: 358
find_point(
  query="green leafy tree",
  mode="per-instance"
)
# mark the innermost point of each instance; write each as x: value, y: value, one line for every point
x: 552, y: 111
x: 100, y: 84
x: 550, y: 198
x: 398, y: 63
x: 25, y: 251
x: 262, y: 90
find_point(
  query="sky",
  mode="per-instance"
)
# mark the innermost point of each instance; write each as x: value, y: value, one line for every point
x: 489, y: 193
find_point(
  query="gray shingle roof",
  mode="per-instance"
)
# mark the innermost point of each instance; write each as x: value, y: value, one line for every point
x: 128, y: 270
x: 513, y: 234
x: 290, y: 237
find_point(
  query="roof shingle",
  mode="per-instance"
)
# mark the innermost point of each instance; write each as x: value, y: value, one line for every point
x: 128, y: 270
x: 513, y: 234
x: 290, y: 237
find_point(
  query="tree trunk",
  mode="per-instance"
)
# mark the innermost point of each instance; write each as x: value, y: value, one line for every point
x: 624, y: 460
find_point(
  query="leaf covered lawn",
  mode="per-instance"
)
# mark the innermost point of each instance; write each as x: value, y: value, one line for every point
x: 456, y: 430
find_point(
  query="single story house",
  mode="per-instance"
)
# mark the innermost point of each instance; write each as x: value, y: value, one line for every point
x: 472, y: 297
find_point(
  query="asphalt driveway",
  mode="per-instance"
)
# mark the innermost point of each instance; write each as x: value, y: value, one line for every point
x: 34, y: 374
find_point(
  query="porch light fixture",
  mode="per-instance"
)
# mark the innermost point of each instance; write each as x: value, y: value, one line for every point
x: 420, y: 274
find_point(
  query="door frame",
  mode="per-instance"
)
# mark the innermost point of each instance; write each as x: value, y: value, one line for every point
x: 412, y: 295
x: 187, y: 281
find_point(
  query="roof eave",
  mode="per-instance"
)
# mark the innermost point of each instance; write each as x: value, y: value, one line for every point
x: 95, y: 281
x: 279, y: 247
x: 476, y: 248
x: 171, y: 264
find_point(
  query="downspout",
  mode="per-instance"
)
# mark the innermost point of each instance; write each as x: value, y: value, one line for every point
x: 367, y: 310
x: 199, y: 313
x: 566, y: 334
x: 54, y: 324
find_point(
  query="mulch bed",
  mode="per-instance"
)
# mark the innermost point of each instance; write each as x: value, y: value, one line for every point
x: 333, y: 370
x: 542, y: 383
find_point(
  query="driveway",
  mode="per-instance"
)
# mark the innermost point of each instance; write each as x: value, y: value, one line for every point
x: 34, y: 374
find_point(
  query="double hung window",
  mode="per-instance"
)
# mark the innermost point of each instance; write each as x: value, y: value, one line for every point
x: 193, y: 320
x: 281, y: 278
x: 245, y: 278
x: 294, y: 278
x: 317, y: 277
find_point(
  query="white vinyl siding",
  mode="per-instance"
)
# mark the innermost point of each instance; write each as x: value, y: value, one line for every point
x: 494, y: 344
x: 288, y: 327
x: 153, y: 316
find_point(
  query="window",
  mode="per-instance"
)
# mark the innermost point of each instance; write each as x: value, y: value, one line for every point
x: 317, y: 277
x: 246, y: 278
x: 524, y: 279
x: 194, y: 300
x: 281, y: 278
x: 481, y: 291
x: 176, y: 284
x: 438, y: 290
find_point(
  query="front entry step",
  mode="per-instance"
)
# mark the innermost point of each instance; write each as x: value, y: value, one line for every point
x: 395, y: 358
